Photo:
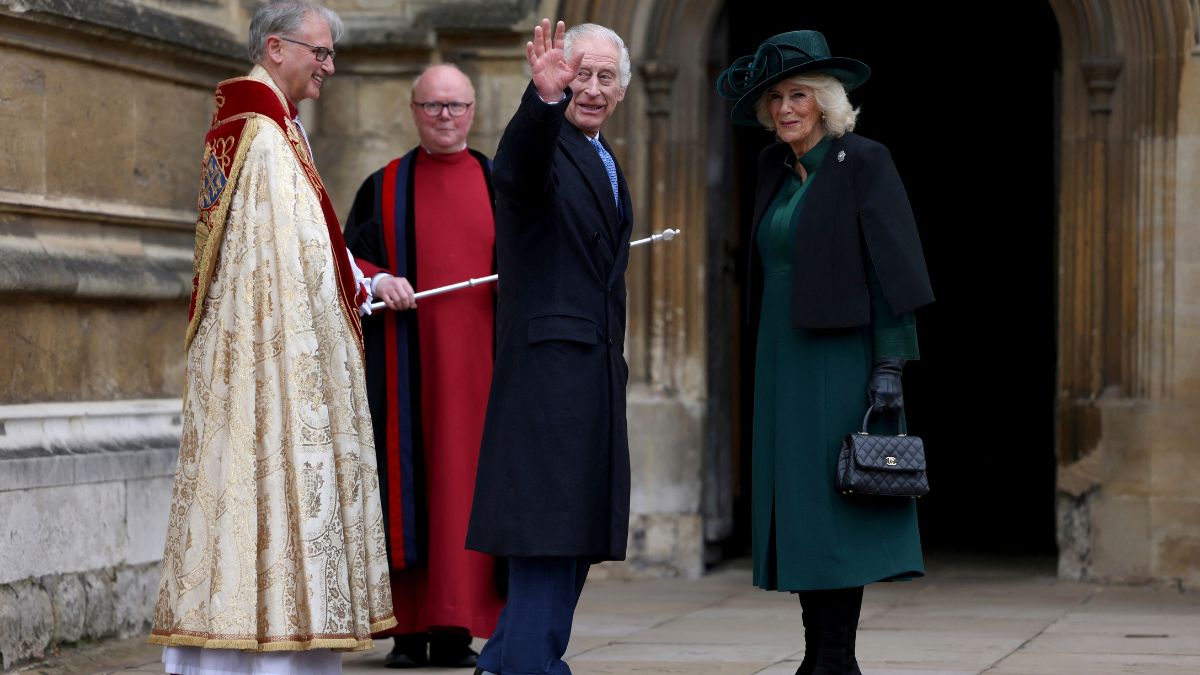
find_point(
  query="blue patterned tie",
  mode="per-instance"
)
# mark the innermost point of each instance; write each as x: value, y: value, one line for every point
x: 610, y: 166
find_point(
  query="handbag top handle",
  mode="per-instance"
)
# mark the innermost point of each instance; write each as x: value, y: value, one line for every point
x: 870, y: 409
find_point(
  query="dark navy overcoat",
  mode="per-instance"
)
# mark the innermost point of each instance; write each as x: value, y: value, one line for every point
x: 553, y: 475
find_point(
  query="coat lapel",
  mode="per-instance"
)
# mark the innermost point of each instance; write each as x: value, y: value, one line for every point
x: 581, y: 153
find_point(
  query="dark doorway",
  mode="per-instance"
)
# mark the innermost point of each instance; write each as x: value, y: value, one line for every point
x: 970, y: 115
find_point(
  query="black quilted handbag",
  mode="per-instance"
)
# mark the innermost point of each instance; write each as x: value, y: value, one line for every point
x: 889, y: 466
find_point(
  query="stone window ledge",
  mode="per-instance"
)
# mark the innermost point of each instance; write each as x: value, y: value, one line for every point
x: 53, y: 444
x: 124, y: 18
x: 66, y: 246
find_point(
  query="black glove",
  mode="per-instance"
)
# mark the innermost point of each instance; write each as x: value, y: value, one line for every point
x: 884, y: 390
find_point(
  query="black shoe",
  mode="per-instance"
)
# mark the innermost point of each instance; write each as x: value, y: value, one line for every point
x: 400, y: 660
x: 449, y: 655
x: 409, y: 652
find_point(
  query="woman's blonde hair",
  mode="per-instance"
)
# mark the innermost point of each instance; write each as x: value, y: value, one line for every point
x: 837, y: 116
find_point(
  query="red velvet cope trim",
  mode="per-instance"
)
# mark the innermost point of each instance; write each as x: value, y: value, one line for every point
x: 244, y: 97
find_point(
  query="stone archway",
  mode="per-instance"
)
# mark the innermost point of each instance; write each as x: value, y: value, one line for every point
x: 1123, y: 376
x: 1120, y: 371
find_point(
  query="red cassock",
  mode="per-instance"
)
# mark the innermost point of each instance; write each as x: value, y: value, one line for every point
x: 436, y: 369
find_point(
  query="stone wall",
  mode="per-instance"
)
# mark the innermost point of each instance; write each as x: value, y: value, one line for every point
x: 362, y: 120
x: 84, y: 493
x: 1175, y: 474
x: 104, y: 110
x: 666, y: 528
x: 38, y: 614
x: 104, y: 107
x: 1129, y: 357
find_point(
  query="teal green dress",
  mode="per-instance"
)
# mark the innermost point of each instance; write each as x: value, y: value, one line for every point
x: 809, y: 392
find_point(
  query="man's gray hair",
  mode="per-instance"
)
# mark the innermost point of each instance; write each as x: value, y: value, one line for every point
x: 591, y: 30
x: 284, y: 17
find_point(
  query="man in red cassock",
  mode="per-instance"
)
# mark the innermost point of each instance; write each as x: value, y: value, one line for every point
x: 423, y: 221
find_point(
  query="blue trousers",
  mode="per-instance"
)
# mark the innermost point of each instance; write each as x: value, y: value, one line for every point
x: 535, y: 624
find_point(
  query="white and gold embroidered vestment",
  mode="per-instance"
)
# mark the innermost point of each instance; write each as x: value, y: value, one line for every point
x: 275, y: 538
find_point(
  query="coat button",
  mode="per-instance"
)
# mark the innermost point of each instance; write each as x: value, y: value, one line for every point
x: 595, y: 237
x: 610, y: 341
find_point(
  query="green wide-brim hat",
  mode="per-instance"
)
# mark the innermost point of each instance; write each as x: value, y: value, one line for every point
x: 778, y: 58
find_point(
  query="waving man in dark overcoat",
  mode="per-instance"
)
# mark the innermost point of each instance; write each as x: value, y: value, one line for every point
x: 552, y: 490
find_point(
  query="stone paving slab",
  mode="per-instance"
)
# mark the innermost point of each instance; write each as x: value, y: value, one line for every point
x: 660, y: 668
x: 1096, y: 664
x: 604, y: 625
x: 969, y: 616
x: 714, y: 626
x: 954, y: 625
x: 1151, y: 600
x: 687, y: 652
x: 1129, y: 621
x: 1117, y: 644
x: 946, y: 650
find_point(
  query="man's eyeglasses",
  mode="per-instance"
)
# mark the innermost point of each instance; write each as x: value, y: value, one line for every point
x: 435, y: 108
x: 321, y: 53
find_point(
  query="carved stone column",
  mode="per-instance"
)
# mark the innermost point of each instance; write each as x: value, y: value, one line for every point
x: 1087, y: 271
x: 666, y: 333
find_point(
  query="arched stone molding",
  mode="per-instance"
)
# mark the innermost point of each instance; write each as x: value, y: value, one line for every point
x: 1121, y: 70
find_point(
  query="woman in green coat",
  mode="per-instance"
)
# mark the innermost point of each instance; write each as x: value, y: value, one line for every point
x: 836, y: 272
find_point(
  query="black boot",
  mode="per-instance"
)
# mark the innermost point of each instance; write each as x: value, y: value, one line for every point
x: 810, y: 612
x: 838, y: 628
x: 853, y: 611
x: 408, y: 652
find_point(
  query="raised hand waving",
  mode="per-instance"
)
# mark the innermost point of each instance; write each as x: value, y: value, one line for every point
x: 547, y: 61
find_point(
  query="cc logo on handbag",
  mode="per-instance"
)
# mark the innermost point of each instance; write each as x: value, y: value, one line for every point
x: 890, y: 461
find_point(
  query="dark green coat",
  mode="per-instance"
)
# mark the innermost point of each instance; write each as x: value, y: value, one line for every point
x: 810, y: 391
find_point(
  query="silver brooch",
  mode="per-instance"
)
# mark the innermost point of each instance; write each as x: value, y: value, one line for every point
x: 842, y: 156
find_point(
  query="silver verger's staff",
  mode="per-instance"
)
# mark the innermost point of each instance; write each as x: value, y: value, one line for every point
x: 666, y: 235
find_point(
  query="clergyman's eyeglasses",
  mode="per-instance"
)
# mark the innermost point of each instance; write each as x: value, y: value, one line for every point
x: 434, y: 108
x: 321, y: 53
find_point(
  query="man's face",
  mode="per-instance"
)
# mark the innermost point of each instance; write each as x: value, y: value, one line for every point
x: 299, y: 73
x: 596, y: 91
x: 443, y: 133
